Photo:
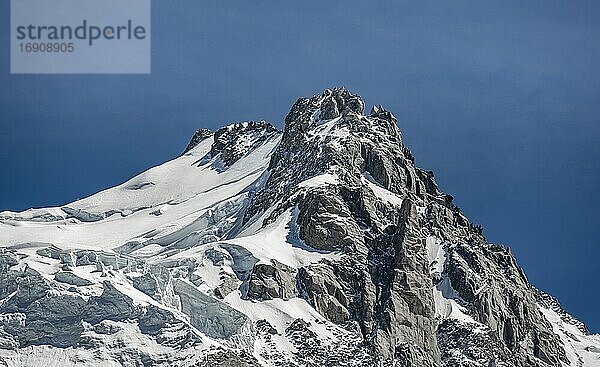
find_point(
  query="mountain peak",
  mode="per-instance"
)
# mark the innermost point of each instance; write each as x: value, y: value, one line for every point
x: 332, y: 103
x: 321, y: 243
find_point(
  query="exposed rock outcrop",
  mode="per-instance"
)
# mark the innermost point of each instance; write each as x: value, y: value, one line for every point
x: 383, y: 281
x: 198, y: 137
x: 234, y: 141
x: 274, y: 280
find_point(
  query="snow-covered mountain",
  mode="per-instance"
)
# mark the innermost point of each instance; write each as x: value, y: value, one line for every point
x: 322, y: 245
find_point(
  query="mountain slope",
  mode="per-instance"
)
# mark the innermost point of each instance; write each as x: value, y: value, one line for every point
x: 320, y: 245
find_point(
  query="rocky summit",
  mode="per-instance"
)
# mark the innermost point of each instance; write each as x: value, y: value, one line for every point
x: 319, y: 245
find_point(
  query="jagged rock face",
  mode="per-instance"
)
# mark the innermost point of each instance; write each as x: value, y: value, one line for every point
x: 274, y: 280
x: 506, y: 304
x: 322, y: 245
x: 324, y: 291
x: 495, y: 291
x: 234, y: 141
x: 326, y: 221
x: 198, y: 137
x: 383, y: 281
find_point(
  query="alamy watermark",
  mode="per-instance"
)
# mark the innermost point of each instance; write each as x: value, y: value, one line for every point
x: 80, y: 36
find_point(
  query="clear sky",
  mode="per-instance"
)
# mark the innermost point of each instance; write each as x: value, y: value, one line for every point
x: 501, y: 100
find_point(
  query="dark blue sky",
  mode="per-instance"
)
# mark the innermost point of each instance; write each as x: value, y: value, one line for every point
x: 501, y: 100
